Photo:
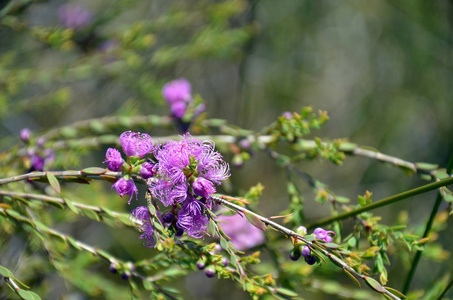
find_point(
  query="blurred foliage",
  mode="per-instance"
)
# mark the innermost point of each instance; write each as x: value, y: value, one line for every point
x: 381, y: 68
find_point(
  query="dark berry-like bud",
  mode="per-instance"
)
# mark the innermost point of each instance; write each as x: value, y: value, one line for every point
x: 125, y: 275
x: 168, y: 217
x: 113, y: 269
x: 294, y: 255
x: 225, y: 261
x: 210, y: 272
x: 201, y: 265
x: 179, y: 232
x: 310, y: 260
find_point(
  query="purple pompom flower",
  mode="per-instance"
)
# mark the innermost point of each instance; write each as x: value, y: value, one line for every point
x: 74, y: 16
x: 243, y: 234
x: 191, y: 218
x: 136, y: 144
x: 322, y: 234
x: 114, y: 160
x: 125, y: 187
x: 178, y: 90
x: 183, y: 161
x: 140, y: 213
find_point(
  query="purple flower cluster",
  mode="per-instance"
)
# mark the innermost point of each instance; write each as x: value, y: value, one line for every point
x: 38, y: 157
x: 186, y: 174
x: 183, y: 107
x: 178, y: 96
x: 183, y: 175
x: 135, y: 146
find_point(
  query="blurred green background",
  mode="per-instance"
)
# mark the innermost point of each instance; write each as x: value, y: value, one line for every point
x: 382, y: 70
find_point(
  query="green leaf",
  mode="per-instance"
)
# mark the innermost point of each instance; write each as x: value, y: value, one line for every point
x: 212, y: 227
x: 224, y: 243
x: 90, y: 214
x: 331, y: 245
x: 53, y: 182
x: 441, y: 174
x: 396, y: 292
x: 76, y: 179
x: 109, y: 178
x: 374, y: 284
x: 94, y: 171
x: 26, y: 295
x: 426, y: 167
x: 341, y: 199
x: 352, y: 277
x: 310, y: 238
x: 352, y: 242
x: 71, y: 206
x: 255, y: 221
x: 286, y: 292
x: 72, y: 242
x: 5, y: 272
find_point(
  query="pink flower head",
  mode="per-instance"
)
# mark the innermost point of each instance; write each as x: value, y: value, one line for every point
x: 136, y: 144
x: 125, y: 187
x: 178, y: 90
x: 114, y: 160
x: 243, y: 234
x: 180, y: 160
x: 192, y: 219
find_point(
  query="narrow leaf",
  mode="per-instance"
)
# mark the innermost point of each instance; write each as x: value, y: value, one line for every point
x: 374, y: 284
x: 352, y: 277
x: 71, y: 206
x: 5, y: 272
x: 396, y: 292
x: 26, y: 295
x: 94, y: 171
x: 109, y: 178
x: 254, y: 221
x: 286, y: 292
x: 53, y: 182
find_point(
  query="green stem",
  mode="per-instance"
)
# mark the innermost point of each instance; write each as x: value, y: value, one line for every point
x: 450, y: 284
x: 429, y: 225
x: 386, y: 201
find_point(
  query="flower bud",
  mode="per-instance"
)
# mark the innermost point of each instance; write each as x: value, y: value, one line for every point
x: 225, y: 261
x: 168, y: 217
x: 311, y: 260
x: 201, y: 265
x: 125, y: 276
x: 113, y: 269
x: 25, y: 135
x: 294, y: 255
x: 210, y: 272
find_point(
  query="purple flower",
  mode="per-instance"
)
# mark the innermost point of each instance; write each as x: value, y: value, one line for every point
x: 179, y: 161
x: 37, y: 162
x: 25, y: 134
x: 125, y: 187
x: 288, y: 115
x: 147, y: 170
x: 74, y: 16
x: 140, y: 213
x: 178, y: 109
x: 203, y: 187
x: 148, y: 235
x: 178, y: 90
x: 136, y: 144
x: 191, y: 218
x: 114, y: 160
x: 306, y: 252
x: 322, y: 234
x: 243, y: 234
